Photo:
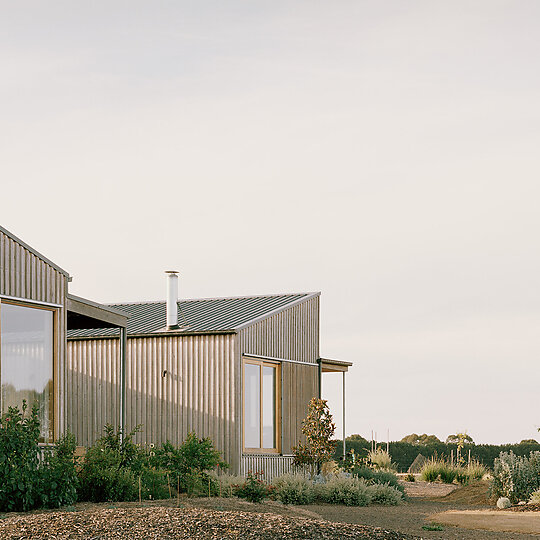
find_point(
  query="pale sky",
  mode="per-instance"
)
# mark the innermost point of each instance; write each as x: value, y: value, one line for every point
x: 384, y: 153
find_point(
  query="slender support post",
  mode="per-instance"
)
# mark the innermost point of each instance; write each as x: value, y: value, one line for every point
x: 319, y: 360
x: 123, y: 352
x: 344, y: 448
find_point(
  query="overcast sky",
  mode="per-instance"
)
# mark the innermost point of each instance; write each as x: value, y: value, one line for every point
x: 384, y: 153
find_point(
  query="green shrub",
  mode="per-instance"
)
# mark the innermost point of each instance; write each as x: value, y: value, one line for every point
x: 293, y: 489
x: 26, y: 482
x: 154, y: 483
x: 410, y: 478
x: 225, y: 484
x: 114, y: 467
x: 190, y: 462
x: 372, y: 476
x: 385, y: 494
x: 462, y: 475
x: 253, y: 489
x: 339, y: 489
x: 58, y: 476
x: 447, y: 472
x: 516, y: 477
x: 19, y: 459
x: 367, y: 473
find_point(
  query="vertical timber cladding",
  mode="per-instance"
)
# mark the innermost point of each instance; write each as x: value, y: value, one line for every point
x: 292, y: 334
x: 26, y: 275
x: 175, y: 384
x: 93, y: 387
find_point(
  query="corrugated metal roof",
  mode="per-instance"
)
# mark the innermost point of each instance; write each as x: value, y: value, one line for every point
x: 199, y: 315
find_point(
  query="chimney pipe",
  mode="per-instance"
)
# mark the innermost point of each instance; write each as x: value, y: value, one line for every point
x: 172, y: 299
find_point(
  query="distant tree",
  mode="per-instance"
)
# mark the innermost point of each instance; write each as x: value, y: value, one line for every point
x: 423, y: 439
x: 458, y: 438
x: 411, y: 439
x: 529, y: 441
x: 357, y: 438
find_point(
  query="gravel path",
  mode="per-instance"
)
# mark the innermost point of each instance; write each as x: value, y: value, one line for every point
x: 180, y: 523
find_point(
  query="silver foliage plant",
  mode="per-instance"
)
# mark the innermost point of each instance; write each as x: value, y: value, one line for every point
x: 516, y: 477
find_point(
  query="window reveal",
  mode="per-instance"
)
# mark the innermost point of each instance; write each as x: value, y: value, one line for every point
x: 260, y: 406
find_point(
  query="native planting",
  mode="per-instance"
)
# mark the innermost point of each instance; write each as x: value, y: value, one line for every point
x: 29, y: 478
x: 516, y: 477
x: 441, y: 470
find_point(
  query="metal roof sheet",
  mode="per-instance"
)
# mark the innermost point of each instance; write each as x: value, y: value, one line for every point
x: 198, y: 315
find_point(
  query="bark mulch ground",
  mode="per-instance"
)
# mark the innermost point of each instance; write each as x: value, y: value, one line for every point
x: 179, y: 523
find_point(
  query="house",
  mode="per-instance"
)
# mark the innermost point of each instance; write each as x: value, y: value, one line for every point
x: 36, y: 311
x: 240, y: 370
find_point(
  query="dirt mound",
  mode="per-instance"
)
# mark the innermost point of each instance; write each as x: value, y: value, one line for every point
x: 476, y: 494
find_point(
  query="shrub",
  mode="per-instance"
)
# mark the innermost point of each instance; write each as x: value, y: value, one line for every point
x: 385, y: 494
x: 410, y: 478
x: 503, y: 503
x: 189, y: 462
x: 153, y: 483
x: 25, y: 481
x: 535, y: 498
x: 58, y: 476
x: 447, y: 472
x: 380, y: 459
x: 372, y: 476
x: 114, y: 467
x: 225, y: 485
x: 476, y: 471
x: 253, y: 489
x: 19, y: 459
x: 294, y: 489
x: 438, y: 468
x: 516, y: 477
x: 340, y: 489
x: 430, y: 471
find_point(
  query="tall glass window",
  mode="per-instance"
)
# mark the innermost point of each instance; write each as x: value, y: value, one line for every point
x: 26, y: 361
x: 260, y: 406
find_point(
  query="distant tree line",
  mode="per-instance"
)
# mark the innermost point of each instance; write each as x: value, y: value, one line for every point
x: 405, y: 451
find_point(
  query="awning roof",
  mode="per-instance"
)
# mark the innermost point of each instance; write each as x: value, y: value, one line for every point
x: 83, y: 313
x: 334, y: 366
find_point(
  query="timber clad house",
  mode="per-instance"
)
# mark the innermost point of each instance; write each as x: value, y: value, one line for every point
x: 239, y: 370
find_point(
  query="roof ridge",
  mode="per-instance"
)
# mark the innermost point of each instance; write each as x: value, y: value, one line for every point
x: 277, y: 295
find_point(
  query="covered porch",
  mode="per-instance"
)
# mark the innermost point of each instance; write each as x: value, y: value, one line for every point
x: 327, y: 365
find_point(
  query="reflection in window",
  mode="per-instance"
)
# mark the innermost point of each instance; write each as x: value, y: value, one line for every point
x: 252, y: 406
x: 269, y: 407
x: 260, y: 397
x: 26, y: 358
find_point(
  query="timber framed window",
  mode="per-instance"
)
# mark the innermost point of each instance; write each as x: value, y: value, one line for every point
x: 261, y: 398
x: 27, y: 356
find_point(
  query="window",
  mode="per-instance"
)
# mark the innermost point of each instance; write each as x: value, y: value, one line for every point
x: 26, y: 361
x: 261, y: 393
